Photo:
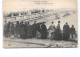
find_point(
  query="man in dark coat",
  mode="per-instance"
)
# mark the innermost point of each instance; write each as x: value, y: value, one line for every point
x: 26, y: 26
x: 72, y: 31
x: 43, y: 31
x: 58, y: 34
x: 34, y: 29
x: 12, y: 28
x: 22, y: 30
x: 17, y: 29
x: 29, y: 30
x: 8, y: 29
x: 66, y: 32
x: 38, y: 31
x: 5, y: 30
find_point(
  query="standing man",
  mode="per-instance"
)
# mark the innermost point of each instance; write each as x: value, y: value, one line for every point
x: 38, y: 32
x: 52, y: 28
x: 12, y: 29
x: 29, y: 30
x: 58, y: 34
x: 8, y: 29
x: 26, y: 26
x: 34, y: 29
x: 72, y: 31
x: 66, y: 32
x: 43, y: 31
x: 5, y: 29
x: 22, y: 30
x: 51, y: 33
x: 17, y: 29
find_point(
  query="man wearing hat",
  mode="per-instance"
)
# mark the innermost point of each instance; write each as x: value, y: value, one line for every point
x: 34, y: 29
x: 72, y: 31
x: 66, y: 32
x: 52, y: 29
x: 51, y: 33
x: 43, y: 31
x: 58, y: 35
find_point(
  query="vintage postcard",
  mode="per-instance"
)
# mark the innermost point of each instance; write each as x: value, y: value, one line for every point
x: 40, y: 24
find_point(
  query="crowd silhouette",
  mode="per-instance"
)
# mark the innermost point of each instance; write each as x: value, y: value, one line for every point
x: 39, y: 30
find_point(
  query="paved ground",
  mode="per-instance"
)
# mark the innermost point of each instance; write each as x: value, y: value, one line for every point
x: 33, y: 43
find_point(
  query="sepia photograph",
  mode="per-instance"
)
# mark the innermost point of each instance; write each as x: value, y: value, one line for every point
x: 40, y: 24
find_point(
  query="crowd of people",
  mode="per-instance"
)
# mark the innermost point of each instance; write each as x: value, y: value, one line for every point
x: 39, y: 30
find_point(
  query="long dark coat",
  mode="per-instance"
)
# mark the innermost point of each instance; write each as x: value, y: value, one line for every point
x: 43, y: 31
x: 8, y: 29
x: 72, y: 30
x: 12, y: 28
x: 66, y: 32
x: 29, y: 31
x: 17, y: 29
x: 26, y: 30
x: 22, y: 31
x: 34, y: 29
x: 5, y: 30
x: 58, y: 34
